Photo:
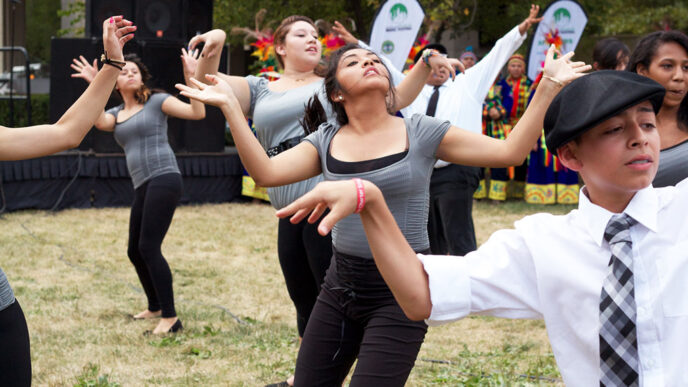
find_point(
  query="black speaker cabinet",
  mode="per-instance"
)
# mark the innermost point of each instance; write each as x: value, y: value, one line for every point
x: 162, y: 60
x: 177, y: 20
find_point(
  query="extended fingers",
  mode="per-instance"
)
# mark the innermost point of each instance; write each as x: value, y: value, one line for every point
x: 317, y: 212
x: 200, y: 84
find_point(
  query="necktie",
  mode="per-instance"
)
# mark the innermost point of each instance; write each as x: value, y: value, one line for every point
x: 618, y: 343
x: 432, y: 103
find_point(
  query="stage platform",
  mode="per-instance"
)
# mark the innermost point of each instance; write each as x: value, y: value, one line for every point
x: 78, y: 179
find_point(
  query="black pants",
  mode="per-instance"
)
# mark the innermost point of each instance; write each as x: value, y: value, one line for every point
x: 450, y: 219
x: 151, y: 215
x: 356, y: 316
x: 304, y: 256
x: 15, y: 351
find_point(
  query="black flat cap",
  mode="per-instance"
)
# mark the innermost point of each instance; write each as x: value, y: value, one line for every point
x: 593, y: 98
x: 435, y: 46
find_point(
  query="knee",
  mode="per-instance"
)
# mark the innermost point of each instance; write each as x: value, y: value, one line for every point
x: 148, y: 250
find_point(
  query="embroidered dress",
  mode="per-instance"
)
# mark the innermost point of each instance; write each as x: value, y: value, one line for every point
x: 548, y: 180
x: 515, y: 95
x: 498, y: 129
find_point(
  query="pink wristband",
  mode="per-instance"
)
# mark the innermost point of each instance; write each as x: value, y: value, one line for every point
x: 360, y: 195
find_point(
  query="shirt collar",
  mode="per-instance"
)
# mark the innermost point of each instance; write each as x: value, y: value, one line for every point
x: 643, y: 208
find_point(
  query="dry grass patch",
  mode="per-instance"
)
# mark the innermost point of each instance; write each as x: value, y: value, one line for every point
x: 72, y: 276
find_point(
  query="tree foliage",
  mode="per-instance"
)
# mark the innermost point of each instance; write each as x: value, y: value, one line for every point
x: 41, y: 23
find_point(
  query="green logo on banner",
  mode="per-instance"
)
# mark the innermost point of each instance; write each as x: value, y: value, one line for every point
x: 562, y: 17
x: 398, y: 12
x: 387, y: 47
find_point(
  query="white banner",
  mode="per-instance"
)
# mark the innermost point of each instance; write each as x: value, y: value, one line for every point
x: 395, y: 28
x: 563, y: 22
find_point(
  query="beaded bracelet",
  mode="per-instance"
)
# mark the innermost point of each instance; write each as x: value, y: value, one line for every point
x: 114, y: 63
x: 360, y: 195
x: 427, y: 53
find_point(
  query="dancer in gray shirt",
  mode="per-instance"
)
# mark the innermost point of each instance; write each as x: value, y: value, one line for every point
x: 356, y: 315
x: 140, y: 127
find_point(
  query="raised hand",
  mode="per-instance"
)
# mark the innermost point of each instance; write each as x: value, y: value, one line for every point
x: 339, y: 196
x: 189, y: 62
x: 116, y: 33
x: 439, y: 62
x: 531, y: 19
x: 84, y: 70
x: 562, y: 69
x: 217, y: 93
x: 213, y: 41
x: 343, y: 33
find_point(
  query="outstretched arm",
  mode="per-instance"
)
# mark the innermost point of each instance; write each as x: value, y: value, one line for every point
x: 70, y: 129
x: 397, y: 262
x: 480, y: 77
x: 296, y: 164
x: 209, y: 63
x: 462, y: 147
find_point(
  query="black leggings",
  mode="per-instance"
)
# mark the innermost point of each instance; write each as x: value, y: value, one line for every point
x: 151, y: 215
x: 15, y: 355
x: 304, y: 256
x: 356, y: 316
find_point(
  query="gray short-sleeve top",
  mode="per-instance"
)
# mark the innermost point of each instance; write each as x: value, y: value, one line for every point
x: 6, y: 294
x: 404, y: 184
x: 144, y: 139
x: 673, y: 165
x: 276, y: 117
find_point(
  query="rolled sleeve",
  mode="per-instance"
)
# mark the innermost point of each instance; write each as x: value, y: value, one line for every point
x: 499, y: 279
x: 450, y: 288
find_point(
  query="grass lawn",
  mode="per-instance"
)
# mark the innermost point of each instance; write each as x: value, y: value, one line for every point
x: 71, y: 274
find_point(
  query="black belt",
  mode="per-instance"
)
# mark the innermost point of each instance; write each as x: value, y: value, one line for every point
x: 284, y: 145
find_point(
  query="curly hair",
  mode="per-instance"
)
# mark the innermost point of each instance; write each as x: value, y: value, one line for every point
x: 144, y: 92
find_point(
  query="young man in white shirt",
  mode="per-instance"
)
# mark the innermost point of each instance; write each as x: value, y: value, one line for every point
x: 618, y: 321
x: 450, y: 220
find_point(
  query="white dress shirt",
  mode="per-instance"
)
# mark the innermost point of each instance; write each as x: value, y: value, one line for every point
x: 552, y: 267
x: 461, y: 101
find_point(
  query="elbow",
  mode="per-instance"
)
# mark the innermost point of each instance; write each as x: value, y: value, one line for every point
x: 199, y: 115
x: 418, y: 312
x: 264, y: 181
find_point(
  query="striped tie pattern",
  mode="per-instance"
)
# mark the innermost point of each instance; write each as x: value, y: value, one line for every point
x: 618, y: 342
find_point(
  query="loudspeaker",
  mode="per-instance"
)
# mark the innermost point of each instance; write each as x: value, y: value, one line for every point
x: 156, y: 19
x: 99, y: 10
x: 161, y: 57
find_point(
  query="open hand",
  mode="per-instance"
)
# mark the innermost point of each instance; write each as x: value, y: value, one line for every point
x: 339, y: 196
x: 84, y: 70
x: 343, y: 33
x: 116, y: 32
x: 218, y: 93
x: 189, y: 62
x: 562, y: 68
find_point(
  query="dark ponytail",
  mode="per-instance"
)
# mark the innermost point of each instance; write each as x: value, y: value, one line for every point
x: 315, y: 113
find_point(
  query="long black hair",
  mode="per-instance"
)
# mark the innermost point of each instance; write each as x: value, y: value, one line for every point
x: 645, y: 51
x: 315, y: 112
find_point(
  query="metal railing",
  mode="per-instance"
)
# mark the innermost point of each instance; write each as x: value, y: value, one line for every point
x: 11, y: 97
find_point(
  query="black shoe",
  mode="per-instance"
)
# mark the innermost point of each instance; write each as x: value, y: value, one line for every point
x: 176, y: 327
x: 280, y: 384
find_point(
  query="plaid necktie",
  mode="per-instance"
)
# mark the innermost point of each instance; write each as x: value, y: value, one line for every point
x: 618, y: 343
